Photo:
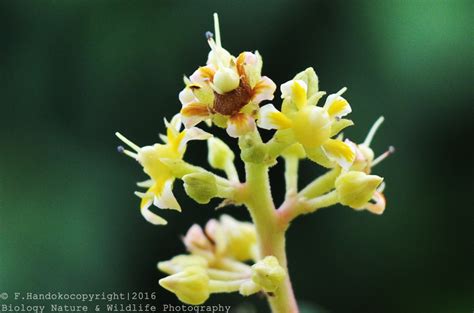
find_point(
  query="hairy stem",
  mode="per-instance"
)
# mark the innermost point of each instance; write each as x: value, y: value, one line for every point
x: 291, y: 175
x: 271, y: 238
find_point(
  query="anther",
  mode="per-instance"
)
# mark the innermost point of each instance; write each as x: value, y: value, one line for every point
x: 120, y: 149
x: 209, y: 35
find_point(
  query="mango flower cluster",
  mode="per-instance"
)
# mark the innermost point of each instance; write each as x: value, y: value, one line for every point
x: 230, y: 92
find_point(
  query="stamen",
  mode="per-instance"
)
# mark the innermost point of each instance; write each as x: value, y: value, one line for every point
x: 128, y: 142
x: 373, y: 130
x: 130, y: 154
x: 383, y: 156
x: 343, y: 90
x: 217, y: 30
x: 216, y: 46
x: 216, y: 49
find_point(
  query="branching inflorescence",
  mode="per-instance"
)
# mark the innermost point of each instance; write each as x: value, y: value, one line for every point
x: 233, y: 256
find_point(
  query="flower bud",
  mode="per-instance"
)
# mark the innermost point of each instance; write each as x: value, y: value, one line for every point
x: 180, y: 262
x: 200, y: 186
x: 191, y: 286
x: 355, y: 189
x: 196, y: 239
x: 249, y: 288
x: 233, y: 238
x: 226, y: 80
x: 219, y: 153
x: 268, y: 274
x: 312, y: 126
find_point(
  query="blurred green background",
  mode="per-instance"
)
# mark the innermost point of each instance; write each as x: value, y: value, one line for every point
x: 74, y: 72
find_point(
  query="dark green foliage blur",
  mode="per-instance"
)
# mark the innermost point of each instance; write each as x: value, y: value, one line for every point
x: 74, y: 72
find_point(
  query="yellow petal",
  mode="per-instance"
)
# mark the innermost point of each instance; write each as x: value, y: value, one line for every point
x: 263, y: 90
x: 339, y: 152
x: 204, y: 74
x: 318, y: 155
x: 166, y: 199
x: 193, y: 113
x: 271, y: 118
x: 337, y: 106
x: 149, y: 215
x: 296, y: 91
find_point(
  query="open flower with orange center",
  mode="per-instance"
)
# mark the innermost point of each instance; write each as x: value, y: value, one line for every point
x: 227, y: 91
x: 153, y: 159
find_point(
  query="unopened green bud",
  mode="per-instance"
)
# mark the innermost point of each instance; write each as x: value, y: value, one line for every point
x: 191, y: 286
x: 355, y: 189
x: 268, y: 274
x: 200, y: 186
x: 219, y: 153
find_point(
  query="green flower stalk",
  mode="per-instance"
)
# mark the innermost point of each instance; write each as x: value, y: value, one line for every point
x: 250, y: 257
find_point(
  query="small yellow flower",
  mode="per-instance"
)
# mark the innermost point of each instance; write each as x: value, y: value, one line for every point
x: 227, y: 90
x: 160, y: 184
x: 310, y: 125
x: 365, y: 161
